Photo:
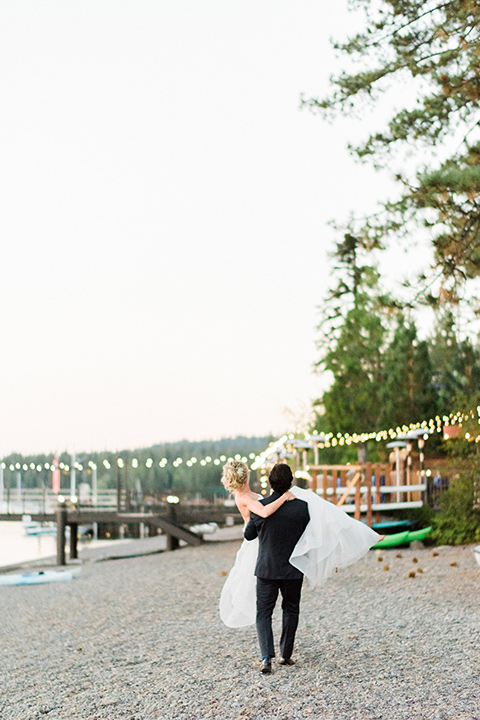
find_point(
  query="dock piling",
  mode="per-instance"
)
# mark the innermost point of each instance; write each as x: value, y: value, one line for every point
x: 61, y: 518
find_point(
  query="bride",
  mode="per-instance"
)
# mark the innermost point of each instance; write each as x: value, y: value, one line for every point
x: 235, y: 479
x: 332, y: 540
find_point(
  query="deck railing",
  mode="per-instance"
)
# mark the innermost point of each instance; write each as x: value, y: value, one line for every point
x: 40, y: 500
x: 367, y: 489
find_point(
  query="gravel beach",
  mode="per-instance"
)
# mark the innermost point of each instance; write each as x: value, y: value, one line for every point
x: 141, y: 638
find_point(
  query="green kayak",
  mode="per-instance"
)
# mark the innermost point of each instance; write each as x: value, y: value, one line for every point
x: 419, y: 534
x: 402, y: 538
x: 392, y: 540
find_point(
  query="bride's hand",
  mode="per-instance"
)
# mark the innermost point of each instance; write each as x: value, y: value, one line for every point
x: 289, y: 495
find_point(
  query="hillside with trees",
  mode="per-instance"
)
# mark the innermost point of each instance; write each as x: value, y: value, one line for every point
x: 184, y: 468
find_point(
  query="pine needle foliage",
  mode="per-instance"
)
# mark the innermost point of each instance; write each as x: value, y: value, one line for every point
x: 434, y: 47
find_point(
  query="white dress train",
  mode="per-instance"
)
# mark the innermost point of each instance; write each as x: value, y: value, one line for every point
x: 332, y: 539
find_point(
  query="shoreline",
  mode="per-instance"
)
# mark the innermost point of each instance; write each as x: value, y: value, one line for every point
x: 103, y: 550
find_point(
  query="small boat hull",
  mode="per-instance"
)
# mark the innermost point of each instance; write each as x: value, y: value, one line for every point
x: 38, y: 578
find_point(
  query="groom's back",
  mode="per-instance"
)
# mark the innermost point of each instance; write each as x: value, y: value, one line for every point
x: 278, y: 535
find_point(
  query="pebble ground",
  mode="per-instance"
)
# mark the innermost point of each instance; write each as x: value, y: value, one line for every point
x: 396, y: 636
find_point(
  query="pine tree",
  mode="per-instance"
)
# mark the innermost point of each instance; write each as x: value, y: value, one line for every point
x: 435, y: 47
x: 351, y: 342
x: 407, y: 392
x: 456, y: 363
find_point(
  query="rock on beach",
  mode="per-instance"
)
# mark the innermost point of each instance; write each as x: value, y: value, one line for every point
x: 141, y: 639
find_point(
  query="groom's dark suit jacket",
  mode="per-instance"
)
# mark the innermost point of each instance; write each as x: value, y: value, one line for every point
x: 278, y: 535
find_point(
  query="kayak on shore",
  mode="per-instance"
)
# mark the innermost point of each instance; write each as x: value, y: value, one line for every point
x: 402, y: 538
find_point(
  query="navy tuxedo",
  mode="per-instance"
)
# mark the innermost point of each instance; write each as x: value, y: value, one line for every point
x: 278, y: 535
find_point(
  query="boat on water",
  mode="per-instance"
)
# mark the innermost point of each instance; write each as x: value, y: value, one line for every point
x: 39, y: 529
x: 39, y: 577
x: 32, y: 527
x: 205, y: 528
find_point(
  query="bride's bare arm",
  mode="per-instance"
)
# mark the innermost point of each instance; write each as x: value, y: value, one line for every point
x: 265, y: 511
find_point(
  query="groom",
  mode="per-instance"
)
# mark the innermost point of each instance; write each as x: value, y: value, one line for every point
x: 278, y: 535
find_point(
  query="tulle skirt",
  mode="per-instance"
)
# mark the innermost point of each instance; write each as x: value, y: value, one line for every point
x: 332, y: 539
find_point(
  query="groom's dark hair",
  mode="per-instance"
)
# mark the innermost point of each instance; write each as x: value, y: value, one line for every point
x: 281, y: 478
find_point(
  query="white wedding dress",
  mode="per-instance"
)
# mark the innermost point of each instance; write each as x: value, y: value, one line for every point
x: 332, y: 539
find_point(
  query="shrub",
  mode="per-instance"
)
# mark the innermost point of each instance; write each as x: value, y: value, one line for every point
x: 457, y: 521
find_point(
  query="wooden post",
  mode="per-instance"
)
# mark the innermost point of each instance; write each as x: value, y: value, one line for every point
x: 357, y: 497
x: 343, y: 476
x: 73, y: 541
x: 61, y: 518
x: 127, y: 492
x: 314, y: 480
x: 415, y: 481
x: 325, y: 484
x: 119, y: 489
x: 334, y: 486
x: 173, y: 543
x: 368, y: 476
x: 378, y: 515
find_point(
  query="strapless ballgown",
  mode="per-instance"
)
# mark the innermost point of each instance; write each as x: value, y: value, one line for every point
x: 332, y: 539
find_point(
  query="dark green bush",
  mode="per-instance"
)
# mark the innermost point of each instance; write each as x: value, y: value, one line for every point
x: 457, y: 522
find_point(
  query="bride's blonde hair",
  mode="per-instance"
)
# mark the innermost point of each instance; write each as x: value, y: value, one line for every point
x: 235, y: 475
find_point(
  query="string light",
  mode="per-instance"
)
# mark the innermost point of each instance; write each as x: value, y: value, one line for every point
x: 276, y: 447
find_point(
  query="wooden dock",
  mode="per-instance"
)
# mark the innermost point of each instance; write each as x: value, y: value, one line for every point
x: 174, y: 523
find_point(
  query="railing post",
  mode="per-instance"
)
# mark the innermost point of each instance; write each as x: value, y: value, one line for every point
x: 369, y: 494
x: 314, y: 481
x: 358, y: 497
x: 61, y: 518
x: 378, y: 497
x: 73, y: 541
x: 325, y: 484
x: 119, y: 489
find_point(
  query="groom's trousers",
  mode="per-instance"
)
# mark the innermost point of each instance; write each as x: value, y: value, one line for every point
x: 267, y: 594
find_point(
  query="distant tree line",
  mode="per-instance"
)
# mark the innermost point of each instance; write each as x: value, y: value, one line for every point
x: 142, y: 470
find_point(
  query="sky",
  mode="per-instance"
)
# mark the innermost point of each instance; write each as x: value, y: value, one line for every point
x: 164, y: 227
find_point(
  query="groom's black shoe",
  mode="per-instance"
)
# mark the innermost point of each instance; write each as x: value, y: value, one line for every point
x: 287, y: 661
x: 266, y: 666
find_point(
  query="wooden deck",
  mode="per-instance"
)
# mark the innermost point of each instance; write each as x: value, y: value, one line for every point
x: 367, y: 489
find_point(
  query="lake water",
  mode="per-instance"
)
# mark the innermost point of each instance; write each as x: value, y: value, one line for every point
x: 18, y: 547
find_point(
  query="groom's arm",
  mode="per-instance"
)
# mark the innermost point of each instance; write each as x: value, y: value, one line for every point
x: 250, y: 532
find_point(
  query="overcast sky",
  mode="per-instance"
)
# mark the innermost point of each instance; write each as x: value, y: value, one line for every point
x: 165, y: 202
